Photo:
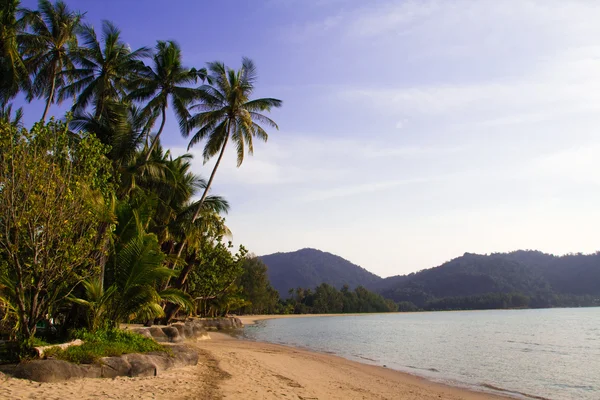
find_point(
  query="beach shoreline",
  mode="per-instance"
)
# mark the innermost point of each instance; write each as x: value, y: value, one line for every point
x: 281, y: 371
x: 493, y: 392
x: 235, y: 368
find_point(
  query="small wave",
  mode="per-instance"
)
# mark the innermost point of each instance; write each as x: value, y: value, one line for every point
x: 499, y: 389
x: 364, y: 358
x: 582, y: 387
x: 423, y: 369
x: 528, y: 343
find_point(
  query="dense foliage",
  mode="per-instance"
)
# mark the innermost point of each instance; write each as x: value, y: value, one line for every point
x: 260, y: 296
x: 501, y: 280
x: 326, y: 299
x: 51, y: 208
x: 99, y: 224
x: 310, y: 267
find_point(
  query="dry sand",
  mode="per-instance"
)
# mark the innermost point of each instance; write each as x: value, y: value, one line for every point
x: 237, y: 369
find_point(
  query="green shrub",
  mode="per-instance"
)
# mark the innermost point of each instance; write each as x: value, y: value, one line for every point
x: 38, y: 342
x: 104, y: 343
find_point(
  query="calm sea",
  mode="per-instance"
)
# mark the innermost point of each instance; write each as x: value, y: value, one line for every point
x: 553, y: 353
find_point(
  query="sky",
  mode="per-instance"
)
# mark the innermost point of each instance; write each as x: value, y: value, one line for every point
x: 411, y: 131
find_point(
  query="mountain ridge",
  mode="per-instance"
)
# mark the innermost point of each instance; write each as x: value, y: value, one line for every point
x: 547, y: 278
x: 309, y: 267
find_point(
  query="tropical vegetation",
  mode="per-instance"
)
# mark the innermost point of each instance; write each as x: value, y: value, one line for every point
x: 326, y: 299
x: 100, y: 224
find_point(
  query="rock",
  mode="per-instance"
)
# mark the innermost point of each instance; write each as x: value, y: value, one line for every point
x: 222, y: 323
x: 114, y: 366
x: 144, y: 332
x: 172, y: 333
x: 188, y: 330
x: 199, y: 332
x: 162, y: 361
x: 181, y: 329
x: 149, y: 364
x: 194, y: 328
x: 55, y: 371
x: 141, y: 365
x: 91, y: 370
x: 158, y: 334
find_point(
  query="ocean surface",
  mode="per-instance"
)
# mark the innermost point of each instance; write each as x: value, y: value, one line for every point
x: 542, y: 354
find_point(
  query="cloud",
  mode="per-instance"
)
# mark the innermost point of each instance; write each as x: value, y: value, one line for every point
x: 356, y: 189
x: 454, y: 125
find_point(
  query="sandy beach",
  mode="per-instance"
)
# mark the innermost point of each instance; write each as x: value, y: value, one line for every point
x: 231, y: 368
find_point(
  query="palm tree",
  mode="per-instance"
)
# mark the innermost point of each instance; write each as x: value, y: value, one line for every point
x: 120, y: 126
x: 105, y: 70
x: 49, y: 48
x: 135, y: 268
x: 6, y: 115
x: 12, y: 68
x: 226, y: 111
x: 167, y: 79
x: 97, y: 301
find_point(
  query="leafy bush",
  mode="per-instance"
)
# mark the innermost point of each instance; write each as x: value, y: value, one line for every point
x: 104, y: 343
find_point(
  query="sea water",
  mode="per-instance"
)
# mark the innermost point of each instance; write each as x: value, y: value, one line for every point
x: 544, y: 354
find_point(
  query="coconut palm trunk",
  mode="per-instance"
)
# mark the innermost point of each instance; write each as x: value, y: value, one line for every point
x: 185, y: 271
x: 162, y: 125
x: 212, y: 176
x: 50, y: 96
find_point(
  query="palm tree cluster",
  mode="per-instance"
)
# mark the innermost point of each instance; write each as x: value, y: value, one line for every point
x: 161, y: 216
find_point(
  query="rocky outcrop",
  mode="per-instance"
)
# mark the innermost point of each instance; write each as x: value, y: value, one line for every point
x: 172, y: 334
x: 133, y: 365
x: 149, y: 364
x: 221, y: 324
x: 55, y: 371
x: 192, y: 328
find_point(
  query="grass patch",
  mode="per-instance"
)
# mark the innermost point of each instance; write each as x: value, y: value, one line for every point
x: 37, y: 342
x: 104, y: 343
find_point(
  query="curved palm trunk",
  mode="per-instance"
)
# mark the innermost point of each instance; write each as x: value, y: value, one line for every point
x: 212, y: 176
x: 171, y: 309
x: 162, y: 125
x: 50, y: 98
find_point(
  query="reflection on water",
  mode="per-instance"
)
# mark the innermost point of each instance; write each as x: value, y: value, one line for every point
x: 541, y: 354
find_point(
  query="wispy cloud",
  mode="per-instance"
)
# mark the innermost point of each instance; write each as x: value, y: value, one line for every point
x: 471, y: 124
x: 358, y: 188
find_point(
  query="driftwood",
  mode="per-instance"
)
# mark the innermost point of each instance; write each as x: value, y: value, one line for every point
x: 42, y: 349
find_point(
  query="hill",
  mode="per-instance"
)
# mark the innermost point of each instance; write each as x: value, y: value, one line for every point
x: 491, y: 281
x: 308, y: 268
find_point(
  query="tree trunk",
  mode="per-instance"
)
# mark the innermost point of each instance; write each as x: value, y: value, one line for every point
x: 210, y: 180
x: 100, y: 255
x: 50, y: 97
x: 162, y: 125
x: 178, y: 256
x: 172, y: 309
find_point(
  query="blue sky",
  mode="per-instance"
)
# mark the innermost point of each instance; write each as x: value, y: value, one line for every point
x: 411, y: 132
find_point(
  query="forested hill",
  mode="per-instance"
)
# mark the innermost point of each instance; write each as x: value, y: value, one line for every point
x: 542, y: 280
x: 308, y: 268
